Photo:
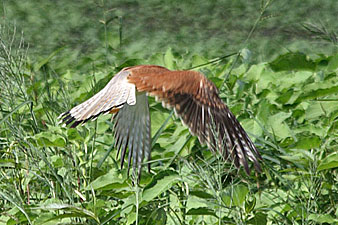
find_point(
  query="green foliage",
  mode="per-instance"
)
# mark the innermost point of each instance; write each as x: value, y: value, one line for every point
x: 55, y: 175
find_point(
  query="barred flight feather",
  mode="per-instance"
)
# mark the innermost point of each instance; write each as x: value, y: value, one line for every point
x: 193, y: 97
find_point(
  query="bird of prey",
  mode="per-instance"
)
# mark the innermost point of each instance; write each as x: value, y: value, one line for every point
x: 192, y: 96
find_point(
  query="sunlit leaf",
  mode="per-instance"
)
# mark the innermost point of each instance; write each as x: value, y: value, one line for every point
x: 329, y: 162
x: 333, y: 64
x: 169, y: 59
x: 318, y: 109
x: 80, y: 212
x: 112, y: 177
x: 308, y: 142
x: 322, y: 218
x: 196, y: 202
x: 160, y: 183
x: 278, y: 126
x: 49, y: 139
x: 239, y: 193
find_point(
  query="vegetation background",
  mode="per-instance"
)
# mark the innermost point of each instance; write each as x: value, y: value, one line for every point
x: 281, y: 83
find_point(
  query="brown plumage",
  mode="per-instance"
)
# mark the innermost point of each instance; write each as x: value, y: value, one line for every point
x: 194, y: 98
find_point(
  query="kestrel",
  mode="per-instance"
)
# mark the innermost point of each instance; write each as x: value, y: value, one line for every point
x: 192, y: 96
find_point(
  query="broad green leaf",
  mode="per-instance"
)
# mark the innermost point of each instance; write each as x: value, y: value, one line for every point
x: 49, y: 139
x: 201, y: 194
x: 298, y: 78
x: 169, y: 59
x: 285, y: 97
x: 217, y: 81
x: 252, y: 127
x: 264, y: 112
x: 157, y: 59
x: 102, y: 126
x: 311, y: 128
x: 239, y: 193
x: 308, y: 142
x: 160, y: 183
x: 292, y: 61
x: 329, y: 162
x: 196, y: 202
x: 333, y: 64
x: 160, y: 217
x: 201, y: 211
x: 322, y: 218
x: 298, y: 159
x: 131, y: 218
x: 258, y: 219
x: 198, y: 60
x: 57, y: 161
x: 46, y: 218
x: 161, y: 129
x: 254, y: 73
x: 73, y: 135
x: 235, y: 196
x: 277, y: 125
x: 319, y: 108
x: 157, y: 119
x: 178, y: 146
x: 319, y: 89
x: 112, y: 177
x: 174, y: 202
x: 267, y: 78
x: 239, y: 71
x: 80, y: 212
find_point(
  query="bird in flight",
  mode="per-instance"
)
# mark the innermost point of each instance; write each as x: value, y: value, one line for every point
x: 192, y: 96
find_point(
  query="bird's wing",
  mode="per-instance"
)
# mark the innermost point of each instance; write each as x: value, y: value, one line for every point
x: 196, y: 101
x: 112, y: 97
x: 194, y: 98
x: 132, y: 120
x: 132, y: 130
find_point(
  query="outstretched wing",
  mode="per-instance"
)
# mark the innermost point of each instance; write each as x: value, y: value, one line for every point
x: 196, y: 101
x: 132, y: 130
x: 112, y: 97
x: 194, y: 98
x: 132, y: 120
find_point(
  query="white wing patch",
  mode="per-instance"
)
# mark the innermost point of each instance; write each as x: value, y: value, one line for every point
x: 114, y: 95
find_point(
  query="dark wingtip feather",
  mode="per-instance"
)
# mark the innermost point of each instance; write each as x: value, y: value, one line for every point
x: 62, y: 115
x: 66, y: 117
x: 69, y: 121
x: 76, y: 123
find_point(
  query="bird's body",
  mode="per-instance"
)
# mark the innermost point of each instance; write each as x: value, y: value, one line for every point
x: 194, y: 98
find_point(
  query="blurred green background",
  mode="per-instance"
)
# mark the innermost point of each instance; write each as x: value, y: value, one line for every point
x: 141, y: 28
